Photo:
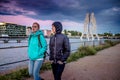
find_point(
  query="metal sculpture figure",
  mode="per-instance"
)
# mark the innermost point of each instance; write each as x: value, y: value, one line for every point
x: 89, y: 27
x: 94, y: 27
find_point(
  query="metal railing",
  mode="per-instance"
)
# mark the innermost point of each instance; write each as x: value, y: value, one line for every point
x: 84, y: 43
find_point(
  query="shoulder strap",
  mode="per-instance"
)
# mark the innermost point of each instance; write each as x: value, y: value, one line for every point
x: 39, y: 43
x: 29, y: 38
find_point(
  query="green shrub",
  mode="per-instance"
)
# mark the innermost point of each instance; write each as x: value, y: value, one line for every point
x: 87, y: 50
x: 22, y: 73
x: 98, y: 48
x: 81, y: 52
x: 112, y: 43
x: 73, y: 57
x: 116, y: 42
x: 107, y: 45
x: 46, y: 66
x: 18, y: 75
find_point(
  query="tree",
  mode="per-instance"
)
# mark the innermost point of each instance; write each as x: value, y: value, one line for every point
x: 118, y: 34
x: 108, y: 34
x: 65, y: 32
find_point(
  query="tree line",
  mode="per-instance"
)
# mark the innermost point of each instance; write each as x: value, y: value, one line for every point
x: 77, y: 33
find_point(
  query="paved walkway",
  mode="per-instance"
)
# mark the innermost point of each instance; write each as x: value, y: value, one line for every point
x: 105, y: 65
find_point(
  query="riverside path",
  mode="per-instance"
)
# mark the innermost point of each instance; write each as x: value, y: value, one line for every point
x: 105, y: 65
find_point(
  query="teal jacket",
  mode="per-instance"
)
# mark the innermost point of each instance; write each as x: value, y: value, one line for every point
x: 34, y: 50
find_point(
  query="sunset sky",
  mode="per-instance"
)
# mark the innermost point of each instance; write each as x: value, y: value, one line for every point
x: 70, y: 12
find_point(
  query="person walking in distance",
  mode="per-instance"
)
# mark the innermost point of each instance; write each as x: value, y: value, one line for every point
x: 35, y: 51
x: 59, y: 47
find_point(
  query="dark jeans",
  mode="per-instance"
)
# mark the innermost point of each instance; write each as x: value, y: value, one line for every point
x: 57, y: 70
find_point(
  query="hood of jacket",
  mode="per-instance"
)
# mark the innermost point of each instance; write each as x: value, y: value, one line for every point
x: 58, y: 27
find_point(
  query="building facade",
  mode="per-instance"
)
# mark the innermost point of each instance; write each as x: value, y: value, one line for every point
x: 47, y: 33
x: 12, y: 30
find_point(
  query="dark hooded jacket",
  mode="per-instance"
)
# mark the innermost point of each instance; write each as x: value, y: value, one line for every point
x: 59, y: 45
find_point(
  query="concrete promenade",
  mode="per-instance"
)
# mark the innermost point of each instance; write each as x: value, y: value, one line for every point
x: 105, y: 65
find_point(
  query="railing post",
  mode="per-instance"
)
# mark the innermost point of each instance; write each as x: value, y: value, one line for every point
x: 18, y: 41
x: 100, y: 42
x: 84, y: 44
x: 93, y: 43
x: 5, y: 41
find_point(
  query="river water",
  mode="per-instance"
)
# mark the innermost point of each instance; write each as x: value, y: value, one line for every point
x: 17, y: 54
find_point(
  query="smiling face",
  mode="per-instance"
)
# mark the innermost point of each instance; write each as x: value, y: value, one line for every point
x: 35, y: 27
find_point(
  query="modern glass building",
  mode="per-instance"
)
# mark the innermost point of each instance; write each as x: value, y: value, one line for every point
x: 12, y: 30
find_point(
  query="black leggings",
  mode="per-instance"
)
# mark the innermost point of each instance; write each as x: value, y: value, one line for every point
x: 57, y: 70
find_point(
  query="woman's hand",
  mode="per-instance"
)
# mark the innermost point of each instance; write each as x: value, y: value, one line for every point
x: 51, y: 62
x: 60, y: 62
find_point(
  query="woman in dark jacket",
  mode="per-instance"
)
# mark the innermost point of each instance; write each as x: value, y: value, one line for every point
x: 59, y: 50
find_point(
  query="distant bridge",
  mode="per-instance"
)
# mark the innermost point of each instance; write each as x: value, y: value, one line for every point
x: 6, y: 39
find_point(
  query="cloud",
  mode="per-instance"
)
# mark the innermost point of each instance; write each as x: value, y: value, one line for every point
x: 109, y: 16
x: 12, y: 9
x: 67, y: 3
x: 116, y: 9
x: 45, y: 24
x: 51, y: 9
x: 23, y: 20
x: 71, y: 25
x: 111, y: 11
x: 70, y: 12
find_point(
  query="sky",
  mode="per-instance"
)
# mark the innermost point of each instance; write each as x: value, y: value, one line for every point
x: 71, y: 13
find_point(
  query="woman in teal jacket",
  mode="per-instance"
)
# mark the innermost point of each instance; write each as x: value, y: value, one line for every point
x: 35, y: 51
